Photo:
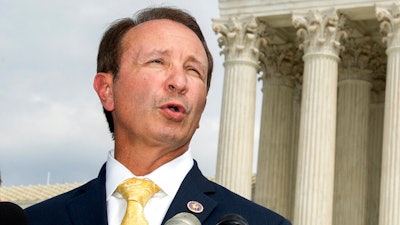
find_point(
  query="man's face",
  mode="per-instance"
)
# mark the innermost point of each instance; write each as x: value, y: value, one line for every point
x: 160, y: 91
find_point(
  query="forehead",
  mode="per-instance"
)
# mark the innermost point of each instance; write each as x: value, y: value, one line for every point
x: 161, y: 24
x: 155, y: 31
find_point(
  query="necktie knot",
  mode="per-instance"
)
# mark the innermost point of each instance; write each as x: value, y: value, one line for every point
x: 137, y: 192
x: 136, y: 189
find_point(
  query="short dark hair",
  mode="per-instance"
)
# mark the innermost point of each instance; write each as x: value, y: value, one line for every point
x: 110, y: 48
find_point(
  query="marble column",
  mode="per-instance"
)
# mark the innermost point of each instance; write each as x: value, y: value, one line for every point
x: 241, y: 44
x: 320, y: 32
x: 375, y: 148
x: 275, y: 167
x: 390, y: 179
x: 352, y: 133
x: 295, y: 134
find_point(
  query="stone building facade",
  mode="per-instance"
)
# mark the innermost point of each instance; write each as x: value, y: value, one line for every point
x: 25, y: 196
x: 329, y: 147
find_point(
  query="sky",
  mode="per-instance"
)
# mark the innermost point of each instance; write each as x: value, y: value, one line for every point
x: 52, y: 128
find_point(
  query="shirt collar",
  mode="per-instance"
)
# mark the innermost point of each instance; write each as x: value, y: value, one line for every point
x: 168, y: 177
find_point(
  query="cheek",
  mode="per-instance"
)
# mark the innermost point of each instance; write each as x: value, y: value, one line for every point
x: 202, y: 96
x: 135, y: 85
x: 127, y: 94
x: 201, y: 103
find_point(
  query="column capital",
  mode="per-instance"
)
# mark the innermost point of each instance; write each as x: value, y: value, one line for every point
x: 389, y: 16
x: 320, y: 31
x: 360, y: 58
x: 240, y: 38
x: 281, y: 64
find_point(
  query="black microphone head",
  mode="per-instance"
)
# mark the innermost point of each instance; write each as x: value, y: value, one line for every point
x: 12, y: 214
x: 183, y: 218
x: 232, y: 219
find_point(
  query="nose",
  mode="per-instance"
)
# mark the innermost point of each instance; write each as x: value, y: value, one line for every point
x: 176, y: 81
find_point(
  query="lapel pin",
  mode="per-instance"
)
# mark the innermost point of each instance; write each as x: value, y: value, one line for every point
x: 195, y: 207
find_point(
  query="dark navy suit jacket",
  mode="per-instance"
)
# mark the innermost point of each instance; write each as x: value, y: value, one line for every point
x: 86, y: 205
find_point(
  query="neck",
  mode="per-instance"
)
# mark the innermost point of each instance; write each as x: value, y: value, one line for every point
x: 143, y: 161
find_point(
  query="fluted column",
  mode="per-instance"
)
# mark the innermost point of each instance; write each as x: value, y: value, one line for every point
x: 375, y: 148
x: 241, y: 42
x: 295, y: 135
x: 275, y: 168
x: 352, y: 133
x: 390, y: 179
x: 321, y: 32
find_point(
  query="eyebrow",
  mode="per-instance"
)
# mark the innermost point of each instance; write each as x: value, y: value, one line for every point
x: 191, y: 58
x: 157, y: 53
x: 142, y: 54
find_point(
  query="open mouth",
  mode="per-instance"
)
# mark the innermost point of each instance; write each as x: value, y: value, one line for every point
x: 174, y: 111
x: 173, y: 108
x: 176, y: 108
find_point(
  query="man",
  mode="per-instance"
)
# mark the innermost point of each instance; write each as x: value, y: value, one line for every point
x: 152, y: 79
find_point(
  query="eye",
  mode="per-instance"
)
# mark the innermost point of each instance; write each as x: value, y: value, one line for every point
x: 194, y: 70
x: 197, y: 73
x: 157, y: 61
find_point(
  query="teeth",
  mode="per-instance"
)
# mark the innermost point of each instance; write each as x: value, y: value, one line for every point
x: 175, y: 109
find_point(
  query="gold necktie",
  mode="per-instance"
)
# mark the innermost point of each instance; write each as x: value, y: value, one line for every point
x: 137, y: 193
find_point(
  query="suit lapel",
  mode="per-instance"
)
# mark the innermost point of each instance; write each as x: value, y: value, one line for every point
x: 89, y: 207
x: 193, y: 189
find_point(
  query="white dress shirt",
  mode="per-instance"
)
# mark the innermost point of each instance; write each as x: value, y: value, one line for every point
x: 168, y: 177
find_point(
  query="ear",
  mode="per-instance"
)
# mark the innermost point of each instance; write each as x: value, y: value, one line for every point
x: 103, y: 83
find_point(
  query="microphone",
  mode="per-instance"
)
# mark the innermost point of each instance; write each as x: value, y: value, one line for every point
x: 232, y: 219
x: 12, y: 214
x: 183, y: 218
